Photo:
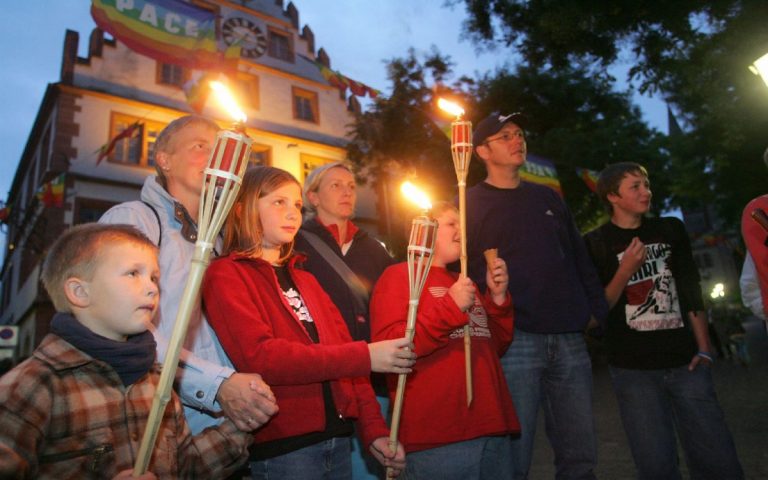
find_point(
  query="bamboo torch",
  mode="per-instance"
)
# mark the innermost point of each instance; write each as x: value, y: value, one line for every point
x: 221, y: 182
x: 421, y: 245
x: 461, y: 150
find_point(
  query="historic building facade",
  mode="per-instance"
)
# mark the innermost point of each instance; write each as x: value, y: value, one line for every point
x: 296, y: 119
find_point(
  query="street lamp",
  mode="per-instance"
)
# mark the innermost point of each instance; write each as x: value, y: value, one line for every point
x: 760, y: 67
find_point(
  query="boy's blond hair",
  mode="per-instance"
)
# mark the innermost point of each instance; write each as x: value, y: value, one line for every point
x: 441, y: 206
x: 77, y: 253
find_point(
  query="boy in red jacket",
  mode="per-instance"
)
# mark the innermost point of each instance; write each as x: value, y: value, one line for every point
x: 442, y: 436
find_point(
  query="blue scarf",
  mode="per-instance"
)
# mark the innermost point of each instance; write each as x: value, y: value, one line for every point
x: 131, y: 359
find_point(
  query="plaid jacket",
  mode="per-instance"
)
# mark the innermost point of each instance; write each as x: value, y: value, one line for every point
x: 65, y: 415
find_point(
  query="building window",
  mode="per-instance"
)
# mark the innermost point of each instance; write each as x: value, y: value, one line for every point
x: 170, y: 74
x: 261, y: 154
x: 138, y: 149
x: 305, y: 105
x: 311, y: 162
x: 248, y: 90
x: 89, y: 210
x: 280, y: 45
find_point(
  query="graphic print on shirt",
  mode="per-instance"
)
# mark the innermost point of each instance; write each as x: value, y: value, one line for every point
x: 297, y: 304
x: 478, y: 319
x: 652, y: 294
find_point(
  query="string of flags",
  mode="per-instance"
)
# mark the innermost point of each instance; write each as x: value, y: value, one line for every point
x: 589, y: 176
x: 342, y: 82
x: 106, y: 150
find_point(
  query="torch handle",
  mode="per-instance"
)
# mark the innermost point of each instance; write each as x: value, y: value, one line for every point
x: 759, y: 216
x: 463, y: 261
x: 397, y: 408
x: 162, y: 395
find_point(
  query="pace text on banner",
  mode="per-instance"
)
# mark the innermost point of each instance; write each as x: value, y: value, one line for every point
x: 170, y: 31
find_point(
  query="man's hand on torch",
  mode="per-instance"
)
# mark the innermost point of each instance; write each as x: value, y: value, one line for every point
x: 382, y: 453
x: 392, y: 356
x: 247, y: 400
x: 463, y: 293
x: 497, y: 279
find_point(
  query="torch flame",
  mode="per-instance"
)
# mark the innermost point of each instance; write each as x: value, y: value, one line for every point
x: 225, y: 98
x: 415, y: 195
x: 450, y: 107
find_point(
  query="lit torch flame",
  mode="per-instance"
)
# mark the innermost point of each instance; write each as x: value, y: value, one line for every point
x: 225, y: 98
x: 450, y: 107
x: 416, y: 196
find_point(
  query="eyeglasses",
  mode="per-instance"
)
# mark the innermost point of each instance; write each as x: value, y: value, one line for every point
x: 507, y: 136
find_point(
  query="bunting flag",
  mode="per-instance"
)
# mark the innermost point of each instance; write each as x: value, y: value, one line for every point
x: 342, y: 82
x: 542, y: 171
x: 170, y: 31
x: 106, y: 150
x: 51, y: 193
x: 589, y: 176
x: 5, y: 212
x: 442, y: 124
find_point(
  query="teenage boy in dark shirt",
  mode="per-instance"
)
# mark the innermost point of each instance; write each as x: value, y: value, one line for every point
x: 656, y: 335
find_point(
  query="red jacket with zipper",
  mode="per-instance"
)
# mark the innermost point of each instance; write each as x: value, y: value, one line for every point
x: 261, y: 334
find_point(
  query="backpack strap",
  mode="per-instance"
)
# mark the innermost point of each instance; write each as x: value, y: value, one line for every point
x: 159, y: 223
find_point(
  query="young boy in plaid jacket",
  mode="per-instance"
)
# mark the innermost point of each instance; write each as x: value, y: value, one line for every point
x: 78, y: 407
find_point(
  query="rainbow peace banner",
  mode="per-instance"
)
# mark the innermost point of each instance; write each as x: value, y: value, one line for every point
x: 589, y: 176
x: 170, y: 31
x: 542, y: 171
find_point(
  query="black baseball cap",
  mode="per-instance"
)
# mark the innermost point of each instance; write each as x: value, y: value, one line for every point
x: 491, y: 125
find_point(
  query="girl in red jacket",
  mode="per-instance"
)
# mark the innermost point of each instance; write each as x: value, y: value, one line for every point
x: 276, y: 320
x: 443, y: 437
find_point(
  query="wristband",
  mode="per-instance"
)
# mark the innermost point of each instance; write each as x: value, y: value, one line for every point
x: 706, y: 355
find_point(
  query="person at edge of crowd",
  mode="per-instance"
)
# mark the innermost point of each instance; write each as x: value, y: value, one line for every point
x: 347, y: 262
x: 276, y: 319
x: 656, y: 335
x: 78, y: 407
x: 556, y: 291
x: 167, y: 213
x: 754, y: 274
x: 443, y: 437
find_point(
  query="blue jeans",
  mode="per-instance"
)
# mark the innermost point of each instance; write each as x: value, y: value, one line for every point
x: 655, y: 403
x: 327, y: 460
x: 552, y: 371
x: 484, y: 458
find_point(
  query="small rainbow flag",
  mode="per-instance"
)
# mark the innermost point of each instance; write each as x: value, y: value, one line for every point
x: 51, y: 193
x: 589, y: 176
x: 170, y: 31
x: 542, y: 171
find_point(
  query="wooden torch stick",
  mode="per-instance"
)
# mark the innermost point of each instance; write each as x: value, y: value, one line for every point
x: 420, y: 249
x: 221, y: 184
x: 461, y: 150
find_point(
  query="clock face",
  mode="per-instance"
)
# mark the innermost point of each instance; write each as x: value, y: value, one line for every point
x: 243, y: 32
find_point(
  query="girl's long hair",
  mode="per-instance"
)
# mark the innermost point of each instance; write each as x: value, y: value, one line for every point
x: 243, y: 231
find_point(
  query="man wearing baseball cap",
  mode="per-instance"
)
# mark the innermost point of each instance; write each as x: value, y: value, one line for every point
x: 555, y: 290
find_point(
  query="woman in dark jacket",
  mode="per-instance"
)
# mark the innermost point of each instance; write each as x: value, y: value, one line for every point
x: 347, y: 262
x: 330, y: 196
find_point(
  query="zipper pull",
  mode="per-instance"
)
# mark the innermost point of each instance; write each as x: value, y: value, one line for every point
x: 98, y: 455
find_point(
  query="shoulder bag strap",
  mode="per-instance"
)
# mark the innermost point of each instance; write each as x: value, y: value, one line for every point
x: 359, y: 292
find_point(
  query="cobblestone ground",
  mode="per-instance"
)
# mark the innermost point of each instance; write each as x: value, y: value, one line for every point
x: 743, y: 394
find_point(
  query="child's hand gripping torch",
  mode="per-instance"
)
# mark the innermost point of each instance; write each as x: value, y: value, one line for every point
x: 461, y: 150
x: 420, y: 248
x: 221, y: 182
